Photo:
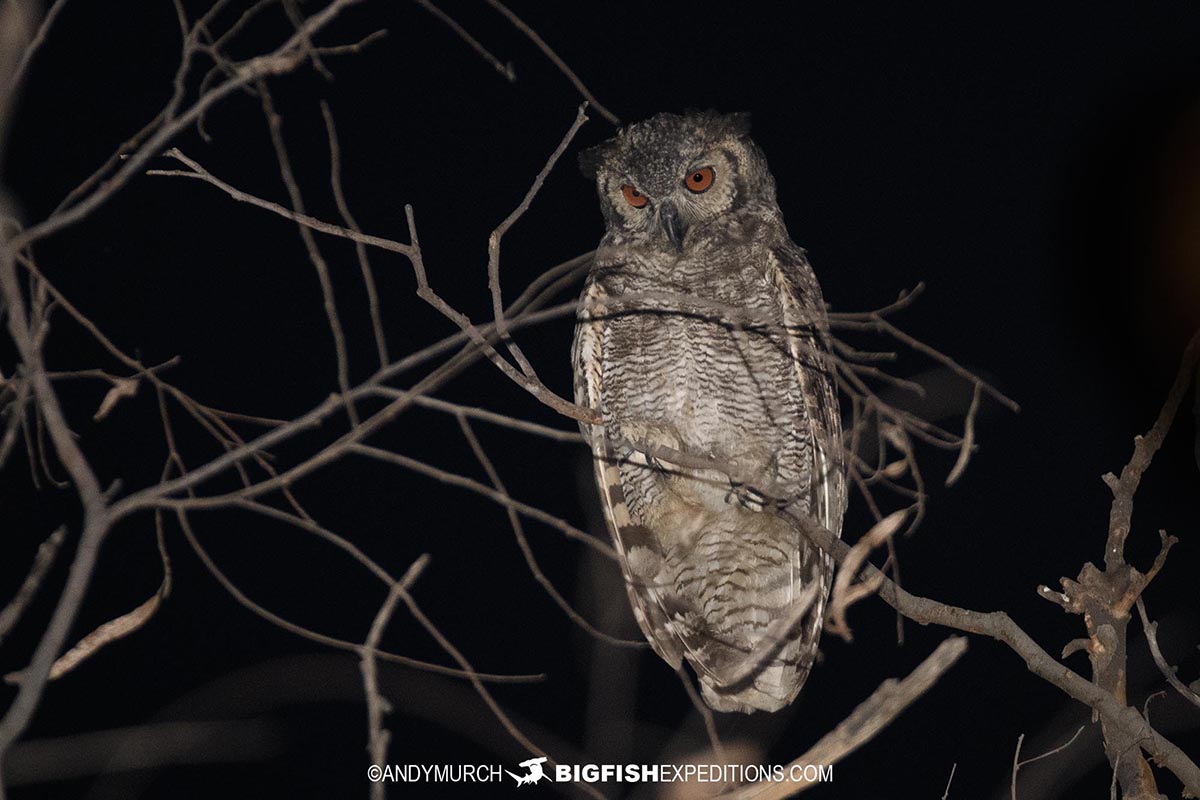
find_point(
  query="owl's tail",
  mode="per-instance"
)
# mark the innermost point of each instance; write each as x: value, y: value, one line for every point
x: 748, y: 604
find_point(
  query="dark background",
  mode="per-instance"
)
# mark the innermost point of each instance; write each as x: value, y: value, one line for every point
x: 1038, y: 168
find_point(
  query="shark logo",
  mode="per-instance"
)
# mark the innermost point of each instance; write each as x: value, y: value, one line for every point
x: 535, y: 774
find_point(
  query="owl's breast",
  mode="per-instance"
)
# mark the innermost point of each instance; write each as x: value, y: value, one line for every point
x: 676, y: 372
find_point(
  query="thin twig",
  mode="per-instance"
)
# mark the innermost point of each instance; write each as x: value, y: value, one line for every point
x: 320, y: 638
x: 1017, y: 764
x: 999, y: 626
x: 518, y: 530
x: 950, y: 780
x: 360, y: 250
x: 1168, y: 672
x: 275, y: 126
x: 533, y: 36
x: 377, y: 706
x: 868, y: 719
x: 42, y: 561
x: 493, y: 268
x: 505, y: 69
x: 482, y: 690
x: 18, y: 73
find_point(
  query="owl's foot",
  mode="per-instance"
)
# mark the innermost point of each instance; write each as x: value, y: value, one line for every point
x: 746, y: 496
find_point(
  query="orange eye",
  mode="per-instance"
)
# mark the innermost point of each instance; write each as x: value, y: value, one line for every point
x: 699, y: 180
x: 634, y: 197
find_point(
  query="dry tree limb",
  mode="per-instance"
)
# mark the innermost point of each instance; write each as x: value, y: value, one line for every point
x: 16, y: 416
x: 525, y: 378
x: 96, y: 520
x: 42, y: 561
x: 275, y: 126
x: 505, y: 69
x: 968, y: 442
x: 533, y: 36
x: 876, y: 320
x: 454, y: 479
x: 377, y: 706
x: 282, y: 60
x: 1105, y: 597
x: 174, y: 459
x: 291, y: 9
x: 307, y: 524
x: 114, y: 629
x: 98, y: 517
x: 483, y: 414
x: 706, y: 714
x: 122, y: 388
x: 531, y: 384
x: 493, y: 264
x: 846, y: 594
x: 999, y: 626
x: 1017, y: 764
x: 868, y: 719
x: 17, y: 22
x: 482, y: 690
x: 514, y: 522
x: 320, y: 638
x: 1144, y: 449
x: 152, y: 496
x: 360, y: 250
x: 950, y: 780
x: 1168, y: 672
x: 195, y: 171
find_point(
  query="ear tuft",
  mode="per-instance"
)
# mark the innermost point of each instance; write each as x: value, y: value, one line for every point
x: 738, y: 123
x: 590, y: 159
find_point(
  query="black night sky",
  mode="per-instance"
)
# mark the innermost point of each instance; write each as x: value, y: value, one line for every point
x: 1036, y: 166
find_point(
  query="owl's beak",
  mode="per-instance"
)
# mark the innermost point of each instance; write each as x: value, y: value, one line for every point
x: 676, y: 229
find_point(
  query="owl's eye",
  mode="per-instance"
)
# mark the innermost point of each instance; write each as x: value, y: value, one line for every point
x: 699, y: 180
x: 634, y: 197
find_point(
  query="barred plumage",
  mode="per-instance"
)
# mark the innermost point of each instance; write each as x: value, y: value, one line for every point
x: 701, y: 341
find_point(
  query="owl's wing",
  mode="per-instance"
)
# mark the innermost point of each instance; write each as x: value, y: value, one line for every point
x: 631, y: 540
x: 809, y: 345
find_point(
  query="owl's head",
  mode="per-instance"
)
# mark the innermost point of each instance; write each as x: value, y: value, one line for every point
x: 672, y: 175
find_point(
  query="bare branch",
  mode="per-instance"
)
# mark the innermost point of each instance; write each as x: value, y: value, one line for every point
x: 275, y: 125
x: 1144, y: 448
x: 200, y: 173
x: 1017, y: 764
x: 478, y: 488
x: 968, y: 442
x: 360, y: 250
x: 17, y: 76
x: 282, y: 60
x: 868, y: 719
x: 377, y: 706
x: 514, y: 522
x: 999, y: 626
x: 42, y: 561
x: 844, y: 594
x: 950, y: 780
x: 112, y: 630
x: 482, y: 690
x: 706, y: 715
x: 493, y: 268
x: 1168, y: 672
x: 321, y: 638
x: 505, y: 69
x: 532, y: 35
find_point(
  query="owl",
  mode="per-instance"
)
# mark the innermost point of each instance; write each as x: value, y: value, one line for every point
x: 702, y: 342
